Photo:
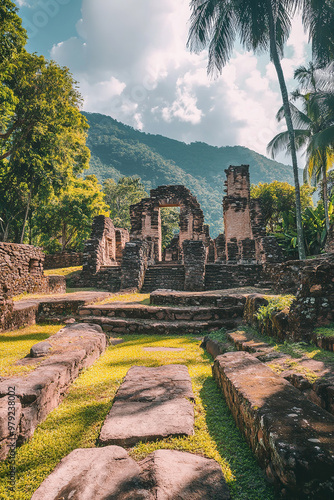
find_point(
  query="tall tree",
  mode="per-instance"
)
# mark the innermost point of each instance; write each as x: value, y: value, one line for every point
x: 65, y: 220
x: 120, y: 195
x: 313, y: 124
x: 261, y: 25
x: 44, y: 142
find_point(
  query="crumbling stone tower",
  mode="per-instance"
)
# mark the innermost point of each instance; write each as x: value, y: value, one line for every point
x: 240, y: 243
x: 245, y: 234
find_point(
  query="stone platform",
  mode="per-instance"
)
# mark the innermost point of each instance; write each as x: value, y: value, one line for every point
x: 101, y: 473
x: 151, y: 403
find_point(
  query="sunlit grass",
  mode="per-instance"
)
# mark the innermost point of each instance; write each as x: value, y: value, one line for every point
x: 77, y: 421
x: 140, y: 298
x: 16, y: 345
x: 64, y: 271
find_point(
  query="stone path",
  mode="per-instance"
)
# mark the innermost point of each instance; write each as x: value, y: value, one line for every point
x: 101, y: 473
x: 151, y: 403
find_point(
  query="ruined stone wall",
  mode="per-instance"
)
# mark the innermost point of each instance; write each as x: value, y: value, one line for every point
x: 122, y: 237
x: 137, y: 256
x: 146, y: 220
x: 245, y: 233
x: 63, y: 259
x: 236, y: 204
x: 194, y: 265
x: 104, y: 246
x: 173, y: 252
x: 314, y: 304
x: 21, y: 270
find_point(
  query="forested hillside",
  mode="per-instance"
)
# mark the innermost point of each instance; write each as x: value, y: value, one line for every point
x: 118, y: 149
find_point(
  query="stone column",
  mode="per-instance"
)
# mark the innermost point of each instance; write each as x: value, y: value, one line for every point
x: 194, y: 265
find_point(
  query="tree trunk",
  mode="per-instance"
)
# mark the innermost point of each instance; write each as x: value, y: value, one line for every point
x: 285, y: 97
x: 26, y: 217
x: 324, y: 191
x: 63, y: 236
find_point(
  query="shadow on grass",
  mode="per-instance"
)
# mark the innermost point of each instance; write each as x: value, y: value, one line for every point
x: 29, y: 336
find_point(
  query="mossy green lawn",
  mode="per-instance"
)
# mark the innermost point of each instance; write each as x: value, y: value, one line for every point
x: 16, y: 345
x: 77, y: 421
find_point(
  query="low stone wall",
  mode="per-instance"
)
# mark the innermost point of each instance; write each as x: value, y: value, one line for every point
x: 276, y: 325
x: 21, y: 269
x: 63, y: 259
x: 292, y: 438
x: 285, y: 276
x: 108, y: 279
x: 36, y: 394
x: 6, y: 312
x: 314, y: 304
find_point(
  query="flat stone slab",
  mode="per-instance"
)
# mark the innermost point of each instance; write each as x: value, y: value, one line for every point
x: 181, y: 475
x: 109, y: 473
x: 93, y: 474
x: 151, y: 403
x: 157, y: 384
x: 131, y: 422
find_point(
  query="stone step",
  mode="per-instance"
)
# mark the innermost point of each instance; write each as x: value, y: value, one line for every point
x: 211, y: 299
x: 168, y: 313
x: 164, y: 276
x: 292, y: 438
x: 155, y: 327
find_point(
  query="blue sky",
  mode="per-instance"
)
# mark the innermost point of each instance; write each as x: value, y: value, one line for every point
x: 131, y: 62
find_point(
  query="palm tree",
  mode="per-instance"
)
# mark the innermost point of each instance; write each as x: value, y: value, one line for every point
x: 314, y: 126
x: 261, y: 25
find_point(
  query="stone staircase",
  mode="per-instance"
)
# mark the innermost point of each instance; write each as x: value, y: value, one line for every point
x: 165, y: 320
x: 167, y: 276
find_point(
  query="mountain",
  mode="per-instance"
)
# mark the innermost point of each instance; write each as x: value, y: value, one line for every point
x: 118, y: 149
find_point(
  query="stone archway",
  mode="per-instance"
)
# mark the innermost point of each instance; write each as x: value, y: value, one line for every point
x: 146, y: 217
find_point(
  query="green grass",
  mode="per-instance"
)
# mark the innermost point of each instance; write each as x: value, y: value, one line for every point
x: 140, y: 298
x: 297, y: 350
x: 325, y: 331
x: 275, y: 303
x: 77, y: 421
x: 16, y: 345
x: 65, y: 271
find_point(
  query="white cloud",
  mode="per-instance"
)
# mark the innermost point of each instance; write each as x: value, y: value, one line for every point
x: 131, y: 61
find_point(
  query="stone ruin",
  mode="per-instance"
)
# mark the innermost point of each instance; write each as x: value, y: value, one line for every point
x: 114, y: 259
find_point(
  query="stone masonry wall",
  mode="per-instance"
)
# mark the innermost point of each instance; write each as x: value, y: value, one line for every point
x: 21, y: 269
x: 105, y: 245
x: 137, y: 256
x: 194, y: 265
x: 63, y: 259
x: 146, y: 220
x: 236, y: 208
x: 314, y: 304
